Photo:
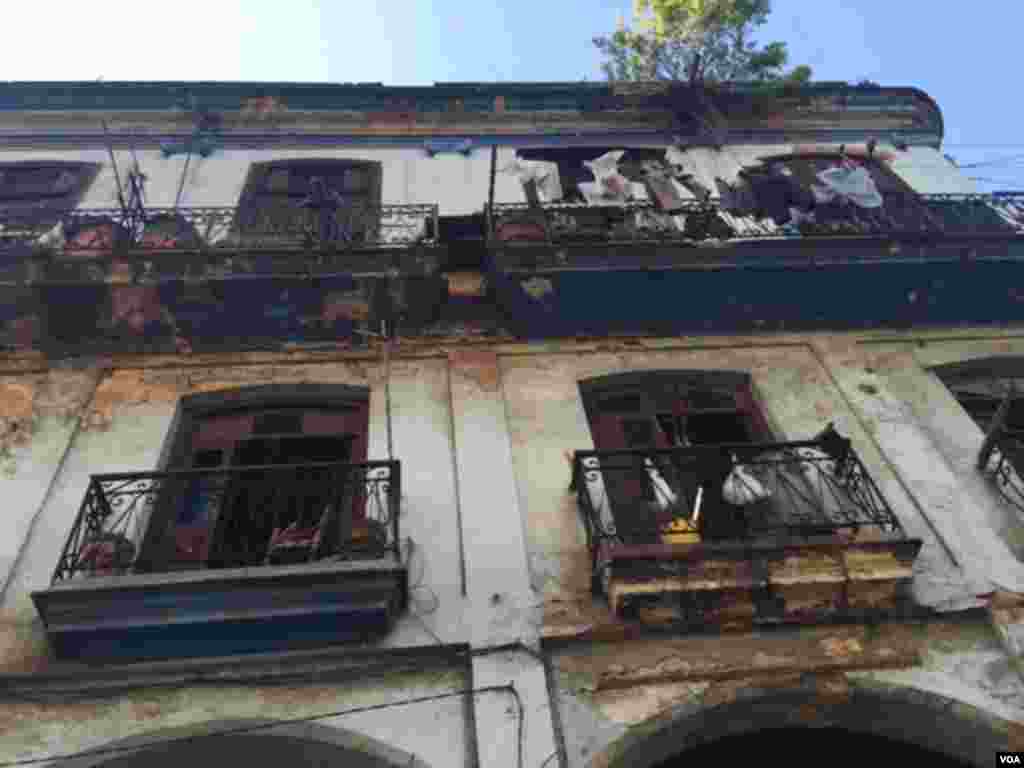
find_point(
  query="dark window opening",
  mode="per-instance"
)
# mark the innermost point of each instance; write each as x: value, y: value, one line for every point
x: 210, y: 459
x: 291, y: 450
x: 660, y: 411
x: 639, y: 433
x: 814, y: 742
x: 996, y: 405
x: 280, y: 423
x: 291, y: 490
x: 982, y: 398
x: 270, y: 507
x: 712, y: 428
x: 35, y: 194
x: 681, y: 415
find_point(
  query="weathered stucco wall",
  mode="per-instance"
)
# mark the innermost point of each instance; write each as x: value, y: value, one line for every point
x: 123, y: 428
x: 432, y: 729
x: 483, y: 438
x: 457, y: 184
x: 796, y: 391
x: 613, y: 699
x: 38, y: 416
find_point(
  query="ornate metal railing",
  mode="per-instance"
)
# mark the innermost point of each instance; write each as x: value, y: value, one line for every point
x: 720, y: 493
x: 696, y: 221
x: 96, y: 231
x: 152, y: 522
x: 1002, y: 460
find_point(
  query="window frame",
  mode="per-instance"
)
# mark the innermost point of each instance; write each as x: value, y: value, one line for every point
x: 256, y: 195
x: 194, y: 409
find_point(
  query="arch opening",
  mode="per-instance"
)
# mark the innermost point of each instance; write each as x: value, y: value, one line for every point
x: 253, y: 743
x: 816, y: 720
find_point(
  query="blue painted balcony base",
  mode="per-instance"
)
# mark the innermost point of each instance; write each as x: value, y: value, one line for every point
x: 209, y: 613
x: 744, y: 295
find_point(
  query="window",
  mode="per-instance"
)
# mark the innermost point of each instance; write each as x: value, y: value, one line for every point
x: 991, y: 391
x: 981, y: 386
x: 662, y: 410
x: 34, y: 194
x: 266, y: 529
x: 33, y: 182
x: 237, y: 517
x: 329, y: 200
x: 665, y: 409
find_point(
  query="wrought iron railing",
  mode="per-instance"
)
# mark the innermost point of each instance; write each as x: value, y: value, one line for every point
x: 720, y: 493
x: 97, y: 231
x: 153, y: 522
x: 696, y: 221
x: 1002, y: 460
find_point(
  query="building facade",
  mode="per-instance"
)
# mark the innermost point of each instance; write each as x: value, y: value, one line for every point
x: 502, y: 424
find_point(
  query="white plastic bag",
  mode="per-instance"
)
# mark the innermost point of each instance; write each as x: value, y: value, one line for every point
x: 594, y: 478
x: 543, y: 174
x: 664, y: 496
x: 853, y: 184
x: 742, y: 488
x: 610, y: 183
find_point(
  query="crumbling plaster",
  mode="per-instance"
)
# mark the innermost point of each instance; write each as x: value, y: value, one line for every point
x: 796, y: 390
x: 434, y: 729
x: 610, y: 697
x: 525, y: 395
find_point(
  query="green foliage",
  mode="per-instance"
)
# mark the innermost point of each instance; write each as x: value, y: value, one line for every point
x: 696, y: 41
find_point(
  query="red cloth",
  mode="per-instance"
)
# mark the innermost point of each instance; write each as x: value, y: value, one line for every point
x: 191, y: 542
x: 292, y: 536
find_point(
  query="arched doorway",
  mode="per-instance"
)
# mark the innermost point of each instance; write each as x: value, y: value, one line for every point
x: 800, y: 747
x: 816, y: 721
x: 252, y: 743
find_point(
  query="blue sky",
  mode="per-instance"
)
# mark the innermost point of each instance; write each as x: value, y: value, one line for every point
x: 961, y: 59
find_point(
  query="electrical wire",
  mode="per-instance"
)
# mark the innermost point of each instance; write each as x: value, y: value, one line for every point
x: 996, y: 161
x: 161, y: 743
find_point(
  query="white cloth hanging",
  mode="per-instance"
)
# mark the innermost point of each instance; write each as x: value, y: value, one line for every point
x: 849, y: 184
x: 594, y: 478
x: 609, y: 183
x: 542, y: 173
x: 664, y: 496
x: 742, y: 488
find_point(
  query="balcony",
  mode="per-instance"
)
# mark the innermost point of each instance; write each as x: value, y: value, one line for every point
x: 929, y: 261
x: 741, y: 533
x: 97, y: 232
x: 695, y: 222
x: 225, y: 561
x: 1002, y: 455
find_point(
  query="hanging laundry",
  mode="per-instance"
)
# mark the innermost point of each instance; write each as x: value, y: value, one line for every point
x: 661, y: 187
x: 543, y: 174
x: 738, y: 199
x: 848, y: 184
x: 742, y: 488
x: 726, y: 195
x: 610, y: 184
